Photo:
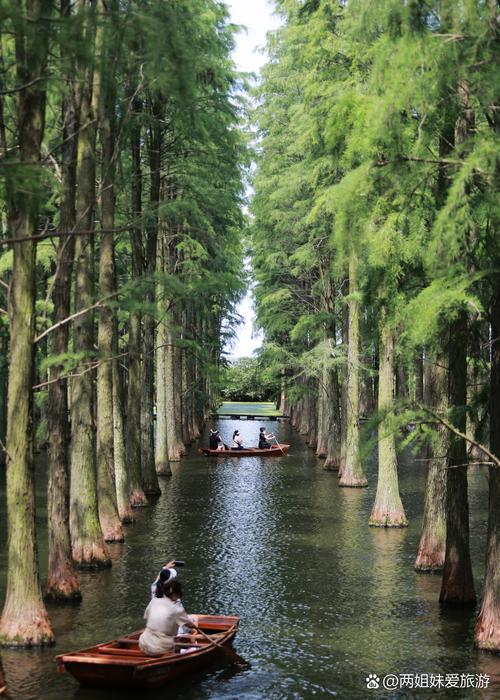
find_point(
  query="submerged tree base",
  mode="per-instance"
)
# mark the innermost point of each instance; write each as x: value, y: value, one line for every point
x: 163, y: 469
x: 63, y: 586
x: 90, y: 555
x: 331, y: 466
x: 388, y: 517
x: 457, y: 590
x: 352, y: 481
x: 151, y: 489
x: 26, y: 628
x: 138, y: 499
x: 430, y: 555
x: 112, y: 530
x: 127, y: 516
x: 488, y: 630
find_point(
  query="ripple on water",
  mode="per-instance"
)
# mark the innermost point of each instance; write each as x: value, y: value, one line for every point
x: 324, y: 600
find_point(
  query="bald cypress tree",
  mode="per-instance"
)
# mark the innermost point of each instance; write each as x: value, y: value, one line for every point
x: 24, y: 620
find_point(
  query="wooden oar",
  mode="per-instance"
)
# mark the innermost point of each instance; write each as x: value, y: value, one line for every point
x: 236, y: 659
x: 278, y: 444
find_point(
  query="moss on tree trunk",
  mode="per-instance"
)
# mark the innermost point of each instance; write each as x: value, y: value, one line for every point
x: 108, y: 509
x: 388, y: 509
x: 353, y: 473
x: 87, y: 541
x: 24, y: 620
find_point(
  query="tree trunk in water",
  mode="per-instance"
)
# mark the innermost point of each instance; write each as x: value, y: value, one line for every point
x: 432, y: 545
x: 62, y: 581
x: 178, y: 361
x: 419, y: 377
x: 133, y: 436
x: 312, y: 414
x: 332, y: 412
x: 87, y: 542
x: 161, y: 447
x: 322, y: 440
x: 457, y: 586
x: 174, y: 440
x: 108, y: 509
x: 4, y: 373
x: 24, y: 620
x: 122, y: 479
x: 149, y: 477
x: 488, y: 622
x: 343, y: 391
x: 388, y: 509
x: 353, y: 473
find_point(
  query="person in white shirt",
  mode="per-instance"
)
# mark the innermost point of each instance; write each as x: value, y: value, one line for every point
x: 163, y: 617
x: 237, y: 441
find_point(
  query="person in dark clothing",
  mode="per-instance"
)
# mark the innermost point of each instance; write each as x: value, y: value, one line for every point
x: 264, y: 438
x: 214, y: 439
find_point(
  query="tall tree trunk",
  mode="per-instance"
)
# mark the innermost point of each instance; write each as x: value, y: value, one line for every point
x: 161, y: 447
x: 108, y: 509
x: 333, y: 419
x: 24, y: 620
x: 149, y: 477
x: 487, y: 634
x: 62, y: 581
x: 133, y: 436
x: 353, y: 473
x: 388, y: 509
x: 322, y: 403
x: 172, y: 371
x: 87, y: 542
x: 343, y: 390
x: 457, y: 586
x: 488, y: 622
x: 4, y: 374
x: 432, y: 545
x: 122, y: 479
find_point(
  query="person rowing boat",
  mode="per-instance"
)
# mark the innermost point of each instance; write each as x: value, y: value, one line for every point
x: 264, y: 438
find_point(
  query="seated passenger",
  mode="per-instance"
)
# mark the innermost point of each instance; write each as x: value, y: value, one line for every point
x: 264, y: 438
x: 214, y: 440
x: 237, y: 441
x: 163, y: 617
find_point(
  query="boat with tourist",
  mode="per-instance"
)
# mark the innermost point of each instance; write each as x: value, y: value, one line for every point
x: 120, y: 663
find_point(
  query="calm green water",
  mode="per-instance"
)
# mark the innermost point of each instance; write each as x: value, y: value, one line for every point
x: 324, y: 600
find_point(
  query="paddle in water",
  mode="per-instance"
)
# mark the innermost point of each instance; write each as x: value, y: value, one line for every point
x: 235, y: 658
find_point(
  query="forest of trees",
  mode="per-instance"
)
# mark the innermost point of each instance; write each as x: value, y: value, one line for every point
x: 376, y: 253
x: 122, y: 163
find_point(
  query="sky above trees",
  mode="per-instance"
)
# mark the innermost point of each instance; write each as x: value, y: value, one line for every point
x: 257, y: 18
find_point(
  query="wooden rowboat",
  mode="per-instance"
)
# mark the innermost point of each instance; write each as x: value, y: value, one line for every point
x: 274, y: 451
x: 121, y: 664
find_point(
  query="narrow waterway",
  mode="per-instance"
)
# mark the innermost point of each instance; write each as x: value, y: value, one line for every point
x: 324, y: 600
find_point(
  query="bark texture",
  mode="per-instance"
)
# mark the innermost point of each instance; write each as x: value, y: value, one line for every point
x: 87, y: 542
x: 24, y: 620
x: 353, y: 472
x: 488, y: 622
x: 432, y: 545
x: 388, y: 509
x: 62, y: 581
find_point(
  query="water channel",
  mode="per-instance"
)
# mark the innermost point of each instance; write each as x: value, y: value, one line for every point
x: 324, y: 600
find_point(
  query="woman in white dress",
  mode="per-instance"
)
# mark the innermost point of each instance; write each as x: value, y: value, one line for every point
x: 164, y: 615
